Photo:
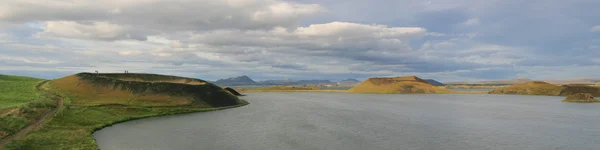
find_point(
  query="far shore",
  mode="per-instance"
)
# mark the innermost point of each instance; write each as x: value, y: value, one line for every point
x: 345, y: 91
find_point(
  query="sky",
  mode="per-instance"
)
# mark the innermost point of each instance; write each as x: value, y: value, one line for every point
x: 447, y: 40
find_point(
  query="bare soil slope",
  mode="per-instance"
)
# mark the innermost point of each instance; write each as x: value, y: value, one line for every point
x: 396, y: 85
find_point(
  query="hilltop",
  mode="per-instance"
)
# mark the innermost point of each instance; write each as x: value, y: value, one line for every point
x: 544, y: 88
x: 434, y: 82
x: 141, y: 89
x: 396, y: 85
x: 236, y: 81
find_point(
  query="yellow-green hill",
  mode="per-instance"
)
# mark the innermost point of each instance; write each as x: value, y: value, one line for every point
x: 530, y: 88
x: 543, y: 88
x: 396, y: 85
x: 141, y: 90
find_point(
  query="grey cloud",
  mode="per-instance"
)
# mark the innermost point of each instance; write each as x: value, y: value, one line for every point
x: 144, y: 17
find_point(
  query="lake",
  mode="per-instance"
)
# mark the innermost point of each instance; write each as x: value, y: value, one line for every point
x: 471, y: 90
x: 310, y: 121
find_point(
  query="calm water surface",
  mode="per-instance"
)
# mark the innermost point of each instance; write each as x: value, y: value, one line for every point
x: 281, y: 121
x: 471, y: 90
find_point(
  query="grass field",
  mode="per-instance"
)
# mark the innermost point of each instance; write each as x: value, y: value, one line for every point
x: 73, y: 128
x: 17, y: 91
x: 72, y: 125
x: 20, y: 103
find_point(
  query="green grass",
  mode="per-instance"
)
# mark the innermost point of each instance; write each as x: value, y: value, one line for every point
x: 72, y: 128
x: 20, y: 103
x: 16, y: 90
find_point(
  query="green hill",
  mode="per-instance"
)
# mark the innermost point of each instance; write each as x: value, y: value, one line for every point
x: 93, y: 101
x: 396, y: 85
x: 142, y: 90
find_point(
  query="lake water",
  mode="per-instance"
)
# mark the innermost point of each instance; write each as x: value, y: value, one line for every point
x: 471, y: 90
x: 312, y: 121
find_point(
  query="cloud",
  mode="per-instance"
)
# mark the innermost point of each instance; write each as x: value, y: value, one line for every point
x: 94, y: 30
x: 595, y: 29
x: 274, y: 39
x: 173, y: 16
x: 472, y: 21
x: 331, y: 39
x: 130, y: 52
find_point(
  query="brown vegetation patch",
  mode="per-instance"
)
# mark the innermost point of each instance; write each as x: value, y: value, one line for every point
x: 3, y: 134
x: 581, y: 97
x: 574, y: 89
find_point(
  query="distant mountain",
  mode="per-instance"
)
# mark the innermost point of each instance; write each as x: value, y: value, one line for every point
x: 434, y: 82
x: 349, y: 81
x: 294, y: 82
x: 277, y: 82
x: 236, y: 81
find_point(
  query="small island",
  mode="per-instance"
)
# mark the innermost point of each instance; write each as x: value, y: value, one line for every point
x: 581, y: 98
x: 544, y: 88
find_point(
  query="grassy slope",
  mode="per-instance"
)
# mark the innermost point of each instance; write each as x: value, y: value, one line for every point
x: 17, y: 90
x: 20, y: 103
x: 71, y: 128
x: 408, y: 84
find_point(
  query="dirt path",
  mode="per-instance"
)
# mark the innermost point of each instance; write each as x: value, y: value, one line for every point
x: 40, y: 120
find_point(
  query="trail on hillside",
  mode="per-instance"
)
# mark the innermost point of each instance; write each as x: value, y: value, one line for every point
x: 38, y: 121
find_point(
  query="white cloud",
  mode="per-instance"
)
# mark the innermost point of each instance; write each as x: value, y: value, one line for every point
x: 130, y: 52
x: 93, y: 30
x: 595, y: 29
x: 173, y: 16
x: 328, y: 39
x: 472, y: 21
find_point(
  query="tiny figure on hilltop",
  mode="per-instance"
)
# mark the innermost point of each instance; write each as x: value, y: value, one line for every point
x: 96, y: 71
